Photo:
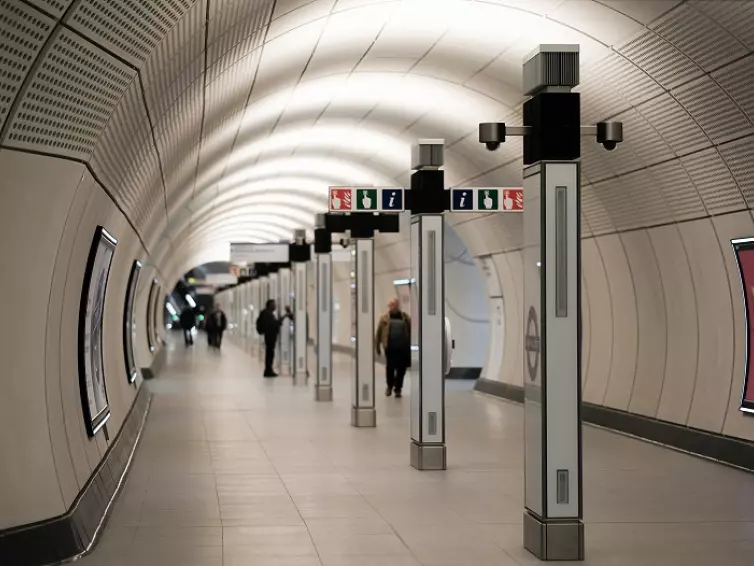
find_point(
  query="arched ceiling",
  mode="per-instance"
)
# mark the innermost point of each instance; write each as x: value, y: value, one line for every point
x: 224, y: 120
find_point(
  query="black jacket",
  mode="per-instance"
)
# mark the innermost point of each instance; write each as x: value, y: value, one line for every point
x: 211, y: 324
x: 188, y: 319
x: 270, y: 326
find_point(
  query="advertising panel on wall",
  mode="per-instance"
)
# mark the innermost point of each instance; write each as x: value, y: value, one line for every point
x: 129, y: 329
x: 91, y: 314
x: 150, y: 316
x: 744, y: 252
x: 157, y: 309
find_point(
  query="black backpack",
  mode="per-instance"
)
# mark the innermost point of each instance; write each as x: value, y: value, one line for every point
x: 260, y: 325
x: 397, y: 334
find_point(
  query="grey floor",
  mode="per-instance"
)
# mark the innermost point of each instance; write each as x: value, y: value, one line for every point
x: 237, y: 470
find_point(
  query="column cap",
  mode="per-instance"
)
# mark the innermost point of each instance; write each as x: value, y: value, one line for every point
x: 427, y: 154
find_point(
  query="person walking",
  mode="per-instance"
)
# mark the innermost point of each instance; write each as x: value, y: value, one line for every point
x: 188, y: 322
x: 268, y: 325
x: 394, y: 337
x: 216, y: 324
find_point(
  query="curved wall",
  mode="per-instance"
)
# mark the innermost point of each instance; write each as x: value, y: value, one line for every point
x: 50, y: 211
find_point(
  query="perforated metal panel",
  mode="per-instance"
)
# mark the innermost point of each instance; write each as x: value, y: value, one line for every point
x: 736, y: 79
x: 736, y: 17
x: 70, y: 98
x: 631, y: 83
x: 55, y: 8
x: 181, y: 176
x: 227, y: 15
x: 713, y: 110
x: 23, y: 32
x: 739, y: 156
x: 696, y: 35
x: 131, y: 29
x: 642, y: 145
x: 178, y: 129
x: 674, y: 124
x: 594, y: 211
x: 663, y: 62
x: 633, y: 201
x: 714, y: 182
x: 678, y: 192
x: 596, y: 162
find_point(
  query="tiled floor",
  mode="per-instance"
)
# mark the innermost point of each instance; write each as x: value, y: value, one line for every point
x: 237, y: 470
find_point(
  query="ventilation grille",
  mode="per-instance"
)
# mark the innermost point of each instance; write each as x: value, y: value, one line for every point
x: 714, y: 182
x: 739, y: 156
x: 69, y: 99
x: 698, y: 37
x: 23, y: 32
x: 176, y: 63
x: 674, y: 124
x: 713, y: 110
x: 55, y: 8
x: 736, y: 18
x: 132, y: 28
x: 736, y: 80
x: 663, y: 62
x: 551, y: 69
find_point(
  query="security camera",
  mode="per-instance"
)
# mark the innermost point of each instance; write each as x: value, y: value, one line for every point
x: 609, y: 134
x: 492, y: 134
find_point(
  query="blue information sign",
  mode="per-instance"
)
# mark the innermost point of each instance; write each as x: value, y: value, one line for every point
x: 392, y: 199
x: 462, y: 199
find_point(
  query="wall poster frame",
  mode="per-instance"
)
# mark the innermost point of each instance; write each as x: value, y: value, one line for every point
x: 156, y: 312
x: 151, y: 339
x: 94, y: 401
x: 743, y: 250
x: 129, y: 328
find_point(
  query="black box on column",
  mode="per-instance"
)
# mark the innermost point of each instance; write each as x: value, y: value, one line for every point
x: 322, y: 241
x: 555, y: 122
x: 300, y: 253
x: 428, y: 194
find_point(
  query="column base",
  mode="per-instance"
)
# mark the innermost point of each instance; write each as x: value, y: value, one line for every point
x: 363, y: 418
x: 322, y: 393
x: 554, y: 539
x: 300, y: 379
x: 428, y: 456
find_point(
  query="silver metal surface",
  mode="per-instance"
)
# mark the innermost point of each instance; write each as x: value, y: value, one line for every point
x: 432, y: 273
x: 551, y: 66
x: 428, y: 457
x: 319, y: 220
x: 561, y: 251
x: 363, y: 418
x: 299, y: 236
x: 427, y: 154
x: 323, y: 393
x: 554, y: 540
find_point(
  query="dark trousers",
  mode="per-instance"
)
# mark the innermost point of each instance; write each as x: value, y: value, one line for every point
x: 269, y: 355
x: 215, y: 338
x: 395, y: 369
x: 187, y: 336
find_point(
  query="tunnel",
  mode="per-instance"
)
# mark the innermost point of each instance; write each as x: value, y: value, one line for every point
x: 140, y: 138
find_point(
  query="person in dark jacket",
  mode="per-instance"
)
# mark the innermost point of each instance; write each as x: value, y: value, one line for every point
x: 188, y: 322
x: 216, y: 324
x: 394, y: 337
x: 268, y: 325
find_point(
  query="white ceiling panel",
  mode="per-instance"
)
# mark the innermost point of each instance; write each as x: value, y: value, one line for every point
x: 739, y: 156
x: 178, y: 129
x: 284, y: 60
x: 644, y: 11
x: 714, y: 182
x: 372, y: 64
x: 736, y: 79
x: 297, y: 17
x: 343, y: 5
x: 713, y: 110
x: 660, y: 60
x: 129, y: 29
x: 642, y: 145
x: 24, y: 32
x: 618, y: 74
x: 736, y: 17
x: 535, y: 6
x: 495, y: 88
x: 237, y: 18
x: 699, y: 37
x: 69, y: 99
x: 599, y: 21
x: 674, y: 124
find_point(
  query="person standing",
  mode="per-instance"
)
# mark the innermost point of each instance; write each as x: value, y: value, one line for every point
x: 216, y: 324
x: 268, y: 325
x: 188, y: 322
x: 394, y: 337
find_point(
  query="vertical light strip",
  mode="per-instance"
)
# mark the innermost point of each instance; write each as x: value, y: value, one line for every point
x: 432, y: 268
x: 325, y: 273
x: 364, y: 283
x: 561, y: 252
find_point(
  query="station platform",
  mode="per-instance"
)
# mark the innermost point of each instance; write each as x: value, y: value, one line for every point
x: 234, y: 469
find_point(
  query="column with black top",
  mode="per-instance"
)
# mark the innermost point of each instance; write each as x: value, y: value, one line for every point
x: 363, y: 412
x: 284, y: 345
x: 428, y: 201
x: 323, y: 251
x: 300, y: 255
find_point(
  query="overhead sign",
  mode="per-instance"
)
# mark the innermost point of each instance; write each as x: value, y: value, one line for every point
x: 486, y: 199
x: 220, y: 279
x: 367, y: 199
x: 241, y: 253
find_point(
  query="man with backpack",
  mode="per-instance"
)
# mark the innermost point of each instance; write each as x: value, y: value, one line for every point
x: 394, y: 337
x: 268, y: 325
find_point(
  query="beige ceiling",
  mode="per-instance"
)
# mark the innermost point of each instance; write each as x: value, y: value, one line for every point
x: 218, y: 120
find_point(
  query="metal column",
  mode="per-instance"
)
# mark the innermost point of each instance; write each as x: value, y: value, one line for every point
x: 284, y: 346
x: 363, y: 412
x: 264, y: 296
x: 553, y: 529
x: 323, y: 381
x: 255, y: 311
x: 300, y: 368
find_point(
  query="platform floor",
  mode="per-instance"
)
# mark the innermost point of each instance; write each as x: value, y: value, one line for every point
x: 237, y: 470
